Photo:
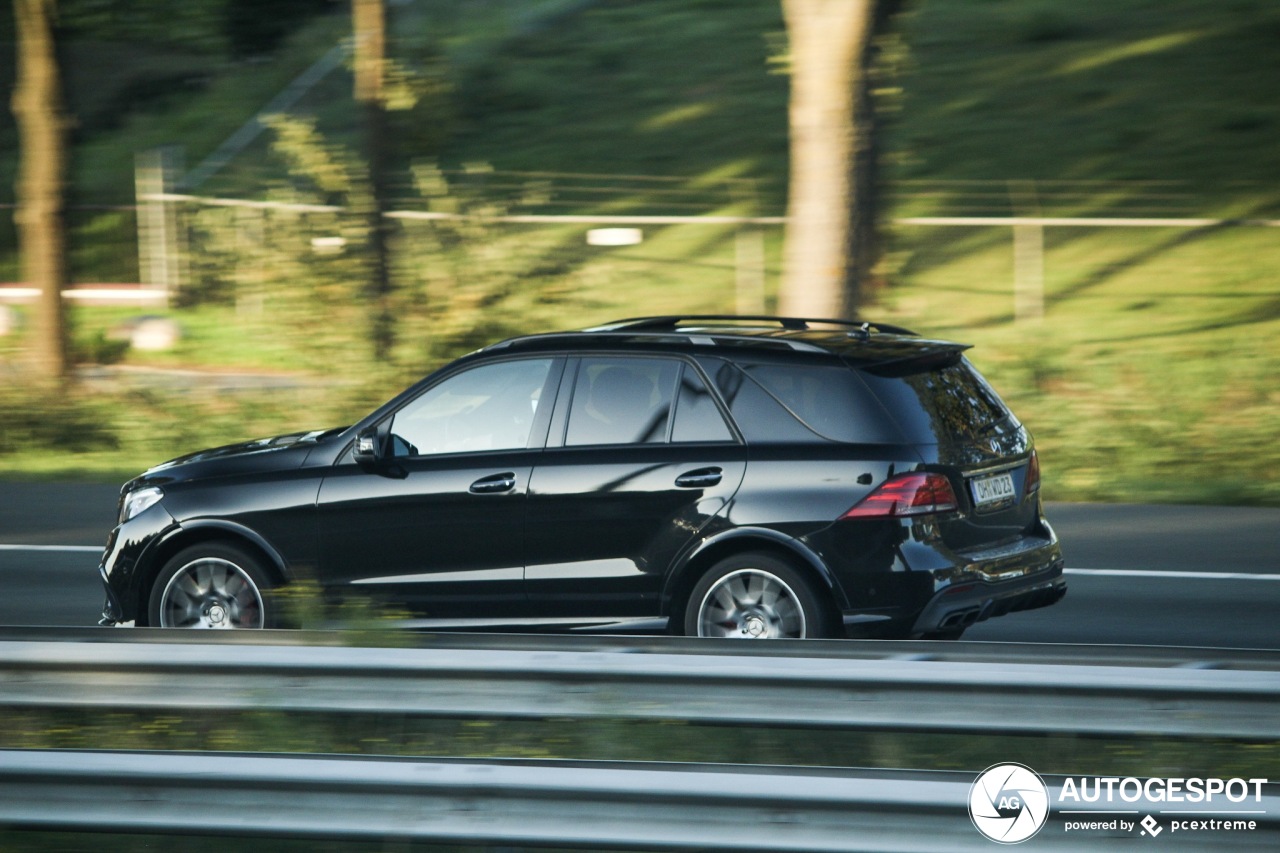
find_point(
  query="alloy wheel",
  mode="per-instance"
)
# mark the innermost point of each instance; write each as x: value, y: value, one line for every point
x: 751, y: 604
x: 211, y: 593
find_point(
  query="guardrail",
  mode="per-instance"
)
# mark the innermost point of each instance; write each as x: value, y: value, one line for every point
x: 596, y: 806
x: 876, y: 686
x: 978, y: 688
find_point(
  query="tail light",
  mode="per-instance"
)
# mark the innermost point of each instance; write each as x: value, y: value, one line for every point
x: 1033, y: 473
x: 905, y: 496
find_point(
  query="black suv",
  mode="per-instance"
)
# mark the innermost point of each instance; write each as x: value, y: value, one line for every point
x: 735, y: 476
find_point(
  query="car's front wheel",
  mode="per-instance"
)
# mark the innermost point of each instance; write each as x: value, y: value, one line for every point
x: 755, y: 597
x: 211, y: 585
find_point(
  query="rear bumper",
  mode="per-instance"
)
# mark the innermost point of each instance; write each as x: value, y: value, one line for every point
x: 965, y: 604
x: 1021, y: 575
x: 926, y: 587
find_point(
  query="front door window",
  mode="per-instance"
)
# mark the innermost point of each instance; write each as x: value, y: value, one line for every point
x: 490, y: 407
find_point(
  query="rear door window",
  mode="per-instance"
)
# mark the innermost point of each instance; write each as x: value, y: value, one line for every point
x: 622, y: 401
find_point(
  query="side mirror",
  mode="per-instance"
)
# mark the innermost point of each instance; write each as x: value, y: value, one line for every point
x: 368, y: 449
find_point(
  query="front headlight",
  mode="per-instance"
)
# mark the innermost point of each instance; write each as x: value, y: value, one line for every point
x: 139, y: 500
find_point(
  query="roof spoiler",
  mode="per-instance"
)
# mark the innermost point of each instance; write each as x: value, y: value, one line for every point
x: 931, y: 355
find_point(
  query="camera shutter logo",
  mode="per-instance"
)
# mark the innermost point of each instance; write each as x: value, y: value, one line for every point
x: 1008, y: 803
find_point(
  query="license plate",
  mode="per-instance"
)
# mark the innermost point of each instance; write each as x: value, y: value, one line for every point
x: 993, y: 489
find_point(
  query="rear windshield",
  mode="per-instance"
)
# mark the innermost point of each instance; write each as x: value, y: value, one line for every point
x: 941, y: 405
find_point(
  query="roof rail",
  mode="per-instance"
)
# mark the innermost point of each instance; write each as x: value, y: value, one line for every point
x: 672, y: 322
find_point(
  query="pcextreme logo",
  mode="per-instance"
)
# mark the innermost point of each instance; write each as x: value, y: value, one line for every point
x: 1009, y: 803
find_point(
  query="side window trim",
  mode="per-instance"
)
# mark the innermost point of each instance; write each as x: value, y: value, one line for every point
x: 538, y: 432
x: 735, y: 435
x: 559, y: 424
x: 704, y: 373
x: 674, y: 411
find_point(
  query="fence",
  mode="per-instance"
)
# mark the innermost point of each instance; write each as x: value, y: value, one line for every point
x: 977, y: 688
x: 1012, y: 207
x: 1023, y: 200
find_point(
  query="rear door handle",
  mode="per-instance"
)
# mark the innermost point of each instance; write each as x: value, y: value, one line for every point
x: 504, y: 482
x: 700, y: 478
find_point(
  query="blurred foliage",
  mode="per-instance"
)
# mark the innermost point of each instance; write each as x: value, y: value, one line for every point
x: 241, y: 27
x: 606, y: 739
x: 301, y: 271
x: 198, y: 25
x: 264, y: 258
x: 255, y: 27
x: 112, y: 429
x: 37, y: 421
x: 1151, y: 379
x: 354, y: 619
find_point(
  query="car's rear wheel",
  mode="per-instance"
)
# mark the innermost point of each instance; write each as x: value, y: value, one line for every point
x: 212, y: 585
x: 755, y: 597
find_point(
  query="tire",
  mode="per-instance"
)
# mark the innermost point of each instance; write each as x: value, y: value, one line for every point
x: 212, y: 585
x: 755, y: 597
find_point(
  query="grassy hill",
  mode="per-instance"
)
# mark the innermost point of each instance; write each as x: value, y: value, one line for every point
x: 1151, y: 376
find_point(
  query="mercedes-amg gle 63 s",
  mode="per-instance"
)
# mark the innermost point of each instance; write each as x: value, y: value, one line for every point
x: 746, y: 477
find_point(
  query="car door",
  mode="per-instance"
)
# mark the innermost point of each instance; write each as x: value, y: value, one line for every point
x: 437, y: 524
x: 638, y: 460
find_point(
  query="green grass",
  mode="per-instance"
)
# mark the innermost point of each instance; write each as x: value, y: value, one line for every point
x: 1151, y: 377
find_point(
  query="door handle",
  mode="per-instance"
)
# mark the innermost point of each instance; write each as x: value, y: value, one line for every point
x: 494, y: 483
x: 702, y: 477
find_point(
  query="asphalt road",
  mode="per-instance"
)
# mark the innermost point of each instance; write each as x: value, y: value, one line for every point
x: 1146, y: 575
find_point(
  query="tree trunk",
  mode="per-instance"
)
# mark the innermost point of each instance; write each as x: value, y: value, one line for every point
x: 370, y: 25
x: 830, y: 244
x: 37, y: 107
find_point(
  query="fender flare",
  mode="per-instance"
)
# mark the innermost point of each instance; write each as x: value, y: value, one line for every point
x: 182, y: 530
x: 747, y: 535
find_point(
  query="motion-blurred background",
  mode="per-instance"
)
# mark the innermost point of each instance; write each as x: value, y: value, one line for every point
x: 1086, y: 191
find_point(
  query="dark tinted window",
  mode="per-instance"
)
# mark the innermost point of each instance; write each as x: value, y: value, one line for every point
x: 759, y: 416
x: 621, y: 401
x: 490, y: 407
x: 697, y: 416
x: 831, y: 401
x: 953, y: 403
